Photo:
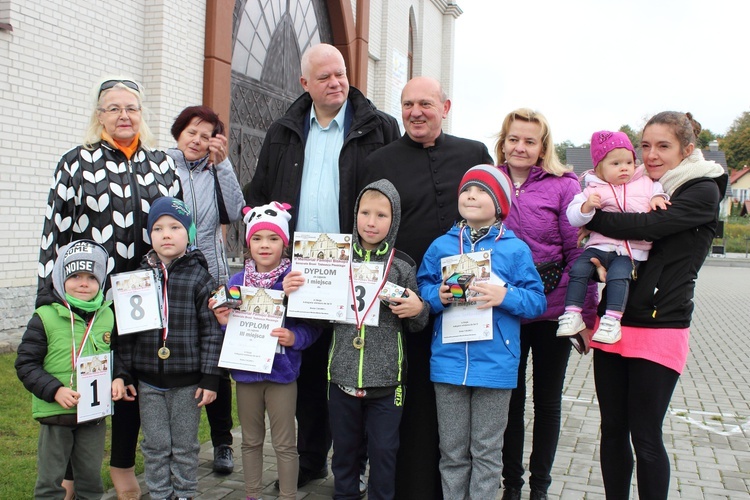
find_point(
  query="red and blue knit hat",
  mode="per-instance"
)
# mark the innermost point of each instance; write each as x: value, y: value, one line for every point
x: 495, y: 182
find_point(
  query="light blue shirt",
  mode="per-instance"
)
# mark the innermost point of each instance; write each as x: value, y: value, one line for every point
x: 319, y: 198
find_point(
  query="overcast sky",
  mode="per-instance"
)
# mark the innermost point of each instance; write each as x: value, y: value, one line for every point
x: 589, y: 65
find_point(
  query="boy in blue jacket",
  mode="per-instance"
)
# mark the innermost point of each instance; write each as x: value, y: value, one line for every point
x: 473, y: 380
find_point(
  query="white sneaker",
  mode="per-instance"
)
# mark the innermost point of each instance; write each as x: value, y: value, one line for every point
x: 609, y: 330
x: 570, y: 324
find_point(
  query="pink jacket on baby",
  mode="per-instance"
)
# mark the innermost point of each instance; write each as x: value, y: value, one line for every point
x: 634, y: 196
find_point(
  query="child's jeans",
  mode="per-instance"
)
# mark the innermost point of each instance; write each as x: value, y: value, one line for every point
x: 619, y: 269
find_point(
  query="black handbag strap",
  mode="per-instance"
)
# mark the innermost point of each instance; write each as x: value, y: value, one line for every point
x: 223, y: 215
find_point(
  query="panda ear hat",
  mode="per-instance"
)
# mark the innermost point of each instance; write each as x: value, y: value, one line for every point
x: 274, y: 217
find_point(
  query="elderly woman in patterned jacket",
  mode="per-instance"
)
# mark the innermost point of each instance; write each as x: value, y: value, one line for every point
x: 211, y: 190
x: 103, y: 190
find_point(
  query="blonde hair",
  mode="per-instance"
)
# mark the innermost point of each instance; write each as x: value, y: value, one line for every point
x: 550, y: 162
x: 94, y: 130
x: 372, y: 193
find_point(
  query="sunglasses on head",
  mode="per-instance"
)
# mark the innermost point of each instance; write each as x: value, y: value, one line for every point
x: 111, y: 83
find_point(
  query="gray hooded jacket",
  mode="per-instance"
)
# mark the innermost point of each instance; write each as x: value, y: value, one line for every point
x: 381, y: 362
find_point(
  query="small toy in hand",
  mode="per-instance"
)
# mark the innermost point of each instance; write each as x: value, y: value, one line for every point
x: 227, y: 296
x: 459, y: 284
x: 391, y: 290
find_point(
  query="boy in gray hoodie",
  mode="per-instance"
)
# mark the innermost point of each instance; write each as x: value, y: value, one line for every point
x: 367, y: 364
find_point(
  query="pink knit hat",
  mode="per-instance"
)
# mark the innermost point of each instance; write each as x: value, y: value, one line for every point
x: 274, y: 217
x: 604, y: 141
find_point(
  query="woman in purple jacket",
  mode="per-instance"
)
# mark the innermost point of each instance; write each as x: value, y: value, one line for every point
x: 543, y: 189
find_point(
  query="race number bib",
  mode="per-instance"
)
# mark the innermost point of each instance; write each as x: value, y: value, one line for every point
x: 94, y: 376
x: 367, y: 278
x: 136, y: 300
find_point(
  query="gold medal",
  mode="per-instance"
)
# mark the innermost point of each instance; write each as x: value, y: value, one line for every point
x: 358, y: 342
x: 163, y: 352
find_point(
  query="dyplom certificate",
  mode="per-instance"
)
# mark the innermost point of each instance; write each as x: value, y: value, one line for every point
x: 462, y: 321
x: 323, y: 259
x: 248, y: 344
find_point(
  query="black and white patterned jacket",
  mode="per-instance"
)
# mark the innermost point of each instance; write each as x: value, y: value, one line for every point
x: 101, y: 195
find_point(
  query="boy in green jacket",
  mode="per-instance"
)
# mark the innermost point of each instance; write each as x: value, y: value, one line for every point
x: 76, y: 322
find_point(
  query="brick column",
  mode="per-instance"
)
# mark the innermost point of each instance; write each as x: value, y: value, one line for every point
x: 217, y: 66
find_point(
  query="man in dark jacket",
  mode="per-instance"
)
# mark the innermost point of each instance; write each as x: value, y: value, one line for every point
x: 426, y: 167
x: 285, y: 157
x: 309, y: 159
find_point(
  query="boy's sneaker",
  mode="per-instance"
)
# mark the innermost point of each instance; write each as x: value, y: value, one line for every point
x: 609, y: 331
x: 570, y: 324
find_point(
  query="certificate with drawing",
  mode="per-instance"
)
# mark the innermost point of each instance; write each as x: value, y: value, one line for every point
x: 136, y: 299
x: 323, y: 259
x: 248, y: 344
x: 462, y: 321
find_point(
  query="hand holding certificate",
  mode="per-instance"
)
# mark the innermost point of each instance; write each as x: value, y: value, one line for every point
x: 248, y: 343
x: 94, y: 383
x: 469, y: 318
x: 323, y: 261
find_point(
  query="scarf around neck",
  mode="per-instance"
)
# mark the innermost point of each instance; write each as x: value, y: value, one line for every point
x: 86, y: 305
x: 127, y: 150
x: 258, y: 279
x: 475, y: 234
x: 692, y: 167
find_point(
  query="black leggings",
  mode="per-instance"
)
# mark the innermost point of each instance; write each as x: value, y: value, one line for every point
x: 633, y: 395
x: 219, y: 413
x: 549, y: 357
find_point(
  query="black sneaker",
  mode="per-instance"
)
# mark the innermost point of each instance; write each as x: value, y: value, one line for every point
x: 511, y: 494
x: 538, y: 495
x: 223, y: 459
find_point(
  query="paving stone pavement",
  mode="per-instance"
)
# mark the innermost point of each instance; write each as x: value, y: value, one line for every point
x: 706, y: 430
